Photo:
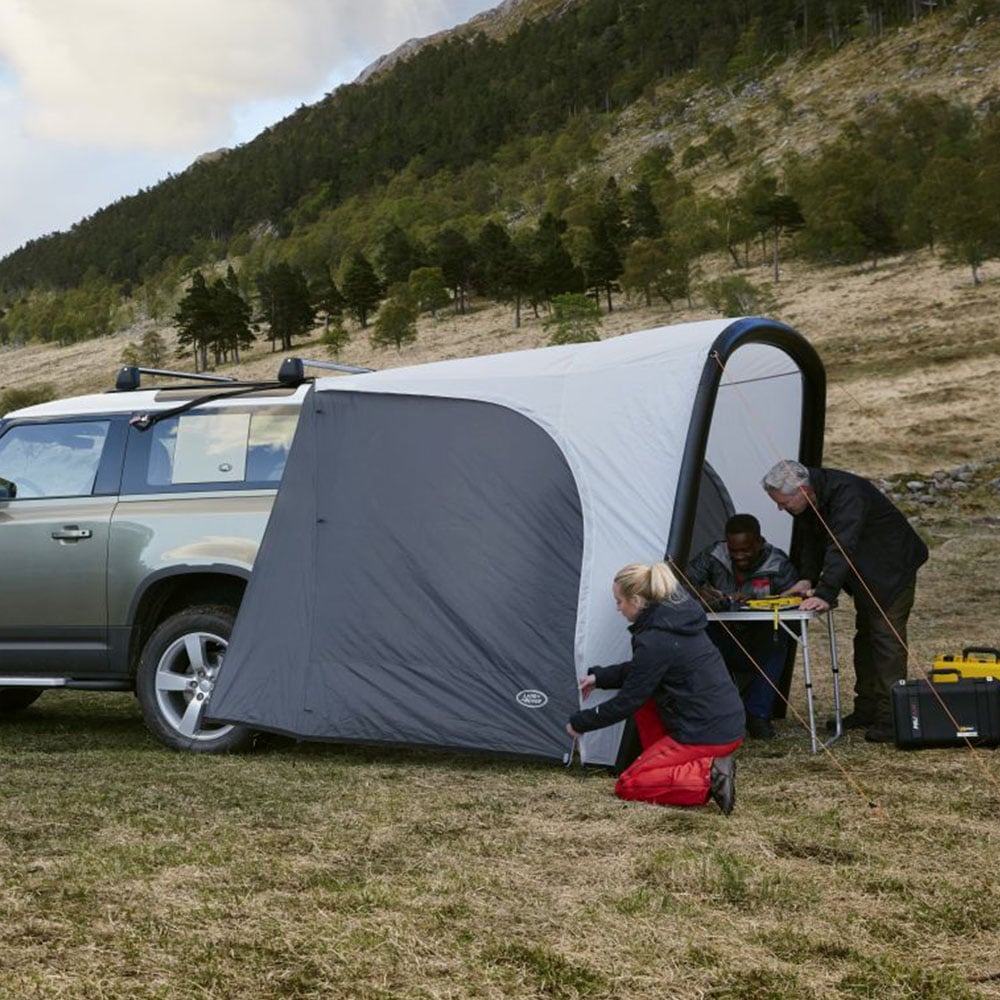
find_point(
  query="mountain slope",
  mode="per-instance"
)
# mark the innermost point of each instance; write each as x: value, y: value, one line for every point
x: 454, y: 102
x: 497, y: 23
x: 805, y: 101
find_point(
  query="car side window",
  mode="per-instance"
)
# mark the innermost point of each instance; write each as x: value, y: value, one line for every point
x: 57, y: 459
x: 218, y: 448
x: 270, y: 438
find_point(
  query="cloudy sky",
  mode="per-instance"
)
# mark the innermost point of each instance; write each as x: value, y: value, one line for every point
x: 100, y: 98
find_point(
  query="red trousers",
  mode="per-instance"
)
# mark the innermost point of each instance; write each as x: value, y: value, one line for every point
x: 667, y: 772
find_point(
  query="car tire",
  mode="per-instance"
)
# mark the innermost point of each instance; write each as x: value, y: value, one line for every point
x: 14, y: 699
x: 176, y: 675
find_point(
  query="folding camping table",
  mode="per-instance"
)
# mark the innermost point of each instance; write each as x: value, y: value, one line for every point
x: 784, y: 617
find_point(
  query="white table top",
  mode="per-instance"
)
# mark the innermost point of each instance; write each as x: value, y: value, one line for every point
x: 790, y: 614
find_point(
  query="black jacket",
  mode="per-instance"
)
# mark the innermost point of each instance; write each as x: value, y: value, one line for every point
x: 675, y: 663
x: 713, y: 566
x: 880, y: 543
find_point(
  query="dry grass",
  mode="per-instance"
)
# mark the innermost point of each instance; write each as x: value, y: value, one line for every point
x: 314, y: 871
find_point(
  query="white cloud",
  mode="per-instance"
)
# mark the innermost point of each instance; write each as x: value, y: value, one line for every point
x: 168, y: 73
x: 149, y: 84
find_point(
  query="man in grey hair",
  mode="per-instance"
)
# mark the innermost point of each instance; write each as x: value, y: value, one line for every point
x: 875, y: 559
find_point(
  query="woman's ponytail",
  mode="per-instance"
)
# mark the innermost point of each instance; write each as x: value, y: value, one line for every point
x: 653, y: 583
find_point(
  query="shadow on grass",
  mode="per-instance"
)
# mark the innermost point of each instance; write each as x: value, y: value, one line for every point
x: 395, y: 755
x: 73, y: 720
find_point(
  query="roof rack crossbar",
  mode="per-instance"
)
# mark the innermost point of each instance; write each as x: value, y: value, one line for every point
x: 128, y: 379
x: 292, y: 370
x: 337, y: 366
x: 198, y: 376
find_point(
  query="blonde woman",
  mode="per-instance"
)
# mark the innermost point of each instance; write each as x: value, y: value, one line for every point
x: 687, y: 710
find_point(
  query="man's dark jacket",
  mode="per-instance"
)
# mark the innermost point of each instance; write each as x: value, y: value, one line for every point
x: 714, y: 566
x: 880, y: 543
x: 677, y: 665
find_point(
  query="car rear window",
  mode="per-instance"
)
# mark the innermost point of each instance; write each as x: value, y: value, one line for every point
x: 214, y: 449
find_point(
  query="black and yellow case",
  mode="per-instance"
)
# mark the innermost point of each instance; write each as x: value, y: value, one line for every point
x: 930, y: 714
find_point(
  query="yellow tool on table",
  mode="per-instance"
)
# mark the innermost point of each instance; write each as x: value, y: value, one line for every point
x: 775, y: 603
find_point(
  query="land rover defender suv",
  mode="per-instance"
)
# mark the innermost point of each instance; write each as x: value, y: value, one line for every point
x: 129, y: 523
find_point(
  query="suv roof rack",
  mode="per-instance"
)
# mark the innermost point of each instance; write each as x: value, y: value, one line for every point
x: 292, y: 370
x: 291, y: 373
x: 129, y: 378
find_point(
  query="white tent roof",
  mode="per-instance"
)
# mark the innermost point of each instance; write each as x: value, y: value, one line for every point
x: 620, y: 410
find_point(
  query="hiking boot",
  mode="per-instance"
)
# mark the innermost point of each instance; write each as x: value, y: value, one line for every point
x: 723, y: 783
x: 881, y: 732
x: 856, y: 720
x: 759, y: 729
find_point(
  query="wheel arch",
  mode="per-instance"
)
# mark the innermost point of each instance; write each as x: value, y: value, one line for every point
x: 172, y: 590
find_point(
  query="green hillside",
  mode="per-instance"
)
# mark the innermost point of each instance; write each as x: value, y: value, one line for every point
x: 596, y: 146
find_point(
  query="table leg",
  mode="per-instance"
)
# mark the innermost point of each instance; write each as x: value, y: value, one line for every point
x: 838, y: 718
x: 807, y: 673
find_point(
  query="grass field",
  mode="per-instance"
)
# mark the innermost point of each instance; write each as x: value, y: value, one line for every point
x: 306, y: 870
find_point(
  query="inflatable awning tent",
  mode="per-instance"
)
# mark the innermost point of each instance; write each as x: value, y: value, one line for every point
x: 437, y: 568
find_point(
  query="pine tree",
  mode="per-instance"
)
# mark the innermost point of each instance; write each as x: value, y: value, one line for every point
x: 453, y: 253
x: 327, y: 299
x: 396, y: 323
x: 336, y: 335
x: 610, y: 215
x: 575, y: 319
x: 551, y: 268
x: 232, y: 321
x: 647, y: 266
x: 773, y: 211
x: 503, y: 272
x: 397, y: 256
x: 152, y: 349
x: 602, y: 264
x: 212, y: 318
x: 642, y: 216
x: 285, y: 303
x: 130, y: 355
x: 428, y: 289
x: 360, y: 287
x: 195, y: 319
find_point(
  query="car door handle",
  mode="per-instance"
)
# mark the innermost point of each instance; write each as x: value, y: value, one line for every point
x: 71, y: 533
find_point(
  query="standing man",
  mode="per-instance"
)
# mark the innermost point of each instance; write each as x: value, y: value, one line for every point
x: 855, y: 540
x: 739, y: 567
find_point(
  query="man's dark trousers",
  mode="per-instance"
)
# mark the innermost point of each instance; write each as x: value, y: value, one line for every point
x: 880, y: 653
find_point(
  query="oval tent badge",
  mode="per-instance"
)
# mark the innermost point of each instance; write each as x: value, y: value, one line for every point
x: 532, y: 699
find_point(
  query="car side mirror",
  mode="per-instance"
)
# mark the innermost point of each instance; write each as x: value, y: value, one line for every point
x: 8, y: 490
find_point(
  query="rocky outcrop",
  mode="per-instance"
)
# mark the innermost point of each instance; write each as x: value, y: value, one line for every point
x: 974, y: 485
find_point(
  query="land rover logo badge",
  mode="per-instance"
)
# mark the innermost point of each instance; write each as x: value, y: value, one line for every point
x: 532, y: 699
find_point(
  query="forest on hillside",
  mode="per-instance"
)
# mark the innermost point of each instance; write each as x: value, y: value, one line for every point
x: 456, y: 165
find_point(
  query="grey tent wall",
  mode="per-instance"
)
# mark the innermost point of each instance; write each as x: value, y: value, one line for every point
x: 442, y: 583
x: 744, y: 331
x: 715, y: 506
